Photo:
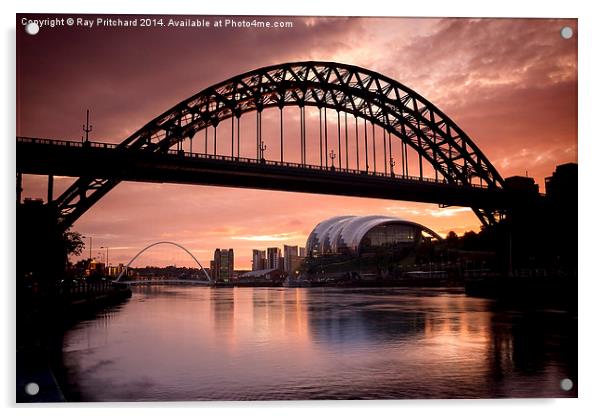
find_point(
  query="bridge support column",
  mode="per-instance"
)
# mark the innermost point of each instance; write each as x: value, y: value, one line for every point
x: 258, y: 133
x: 281, y: 134
x: 50, y: 189
x: 357, y: 146
x: 339, y: 136
x: 232, y: 143
x: 321, y: 150
x: 391, y: 161
x: 19, y: 186
x: 420, y: 157
x: 237, y: 135
x: 366, y: 143
x: 325, y: 137
x: 303, y: 135
x: 346, y: 144
x: 215, y: 138
x: 374, y: 147
x: 406, y: 164
x: 385, y: 151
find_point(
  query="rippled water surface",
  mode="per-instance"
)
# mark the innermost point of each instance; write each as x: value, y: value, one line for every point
x: 198, y: 343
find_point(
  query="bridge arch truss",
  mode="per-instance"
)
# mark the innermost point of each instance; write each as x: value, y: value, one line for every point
x: 400, y: 112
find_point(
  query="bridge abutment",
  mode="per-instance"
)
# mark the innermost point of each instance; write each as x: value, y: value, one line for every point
x: 40, y: 243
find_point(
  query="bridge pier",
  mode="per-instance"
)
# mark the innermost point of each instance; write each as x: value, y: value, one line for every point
x: 40, y: 245
x: 50, y: 197
x: 19, y: 186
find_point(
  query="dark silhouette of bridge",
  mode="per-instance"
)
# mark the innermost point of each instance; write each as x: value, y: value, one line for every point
x: 372, y: 111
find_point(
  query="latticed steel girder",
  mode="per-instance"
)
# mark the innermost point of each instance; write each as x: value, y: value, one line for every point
x: 365, y: 94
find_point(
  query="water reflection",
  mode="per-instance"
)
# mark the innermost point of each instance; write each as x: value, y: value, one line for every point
x: 192, y: 343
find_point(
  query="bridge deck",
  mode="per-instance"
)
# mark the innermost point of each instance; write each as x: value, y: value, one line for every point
x: 166, y: 282
x: 106, y: 160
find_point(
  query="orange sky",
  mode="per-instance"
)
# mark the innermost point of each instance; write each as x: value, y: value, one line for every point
x: 511, y: 84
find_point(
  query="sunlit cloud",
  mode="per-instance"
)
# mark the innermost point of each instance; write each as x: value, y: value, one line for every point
x: 405, y: 211
x: 268, y: 237
x: 448, y: 212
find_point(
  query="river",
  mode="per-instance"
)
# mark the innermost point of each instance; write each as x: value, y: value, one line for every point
x: 198, y: 343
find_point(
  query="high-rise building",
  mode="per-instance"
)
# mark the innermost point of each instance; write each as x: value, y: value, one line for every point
x: 222, y: 267
x: 561, y: 203
x: 259, y: 260
x: 295, y: 265
x: 290, y: 255
x: 273, y: 258
x: 561, y: 186
x: 301, y: 251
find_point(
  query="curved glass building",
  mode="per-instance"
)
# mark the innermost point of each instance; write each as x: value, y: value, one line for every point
x: 357, y: 235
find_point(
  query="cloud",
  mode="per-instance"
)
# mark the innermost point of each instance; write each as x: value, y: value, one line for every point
x: 448, y: 212
x: 395, y: 210
x: 420, y: 212
x: 268, y: 237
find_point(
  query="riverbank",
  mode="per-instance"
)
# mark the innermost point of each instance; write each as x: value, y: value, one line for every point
x: 404, y: 282
x: 524, y: 289
x: 42, y: 318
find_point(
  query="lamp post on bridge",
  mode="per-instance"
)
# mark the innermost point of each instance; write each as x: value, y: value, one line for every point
x: 332, y: 155
x: 87, y: 128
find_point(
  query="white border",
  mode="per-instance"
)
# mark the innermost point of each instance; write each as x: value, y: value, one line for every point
x: 590, y: 28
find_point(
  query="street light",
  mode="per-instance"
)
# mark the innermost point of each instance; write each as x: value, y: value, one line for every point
x: 107, y: 256
x: 90, y: 237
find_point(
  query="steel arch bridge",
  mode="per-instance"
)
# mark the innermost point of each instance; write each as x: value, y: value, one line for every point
x: 125, y: 269
x: 402, y: 114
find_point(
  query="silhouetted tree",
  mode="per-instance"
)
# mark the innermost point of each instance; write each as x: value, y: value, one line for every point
x: 451, y: 241
x: 452, y: 236
x: 73, y: 243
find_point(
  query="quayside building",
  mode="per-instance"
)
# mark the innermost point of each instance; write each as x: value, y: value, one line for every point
x: 357, y: 235
x: 363, y: 244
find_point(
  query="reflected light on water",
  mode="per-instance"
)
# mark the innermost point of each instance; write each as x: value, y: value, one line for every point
x: 198, y: 343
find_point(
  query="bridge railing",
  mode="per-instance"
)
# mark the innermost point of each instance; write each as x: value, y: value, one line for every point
x: 237, y: 159
x: 324, y: 168
x: 66, y: 143
x: 81, y: 287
